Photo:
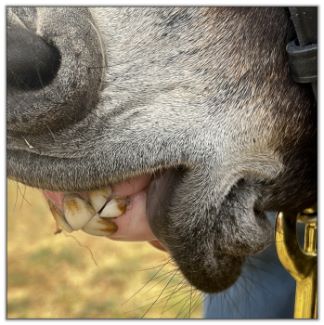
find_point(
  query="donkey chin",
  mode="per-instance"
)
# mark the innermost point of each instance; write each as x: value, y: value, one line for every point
x: 185, y: 118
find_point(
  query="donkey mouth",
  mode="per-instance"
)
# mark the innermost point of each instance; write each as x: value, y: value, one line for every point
x: 108, y: 211
x: 79, y: 192
x: 121, y: 211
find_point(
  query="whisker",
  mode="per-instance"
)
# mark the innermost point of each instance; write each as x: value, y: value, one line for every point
x: 84, y: 246
x: 181, y: 292
x: 151, y: 267
x: 51, y: 132
x: 150, y: 299
x: 190, y: 300
x: 168, y: 294
x: 161, y: 278
x: 182, y: 308
x: 23, y: 199
x: 172, y: 294
x: 196, y: 302
x: 145, y: 284
x: 158, y: 296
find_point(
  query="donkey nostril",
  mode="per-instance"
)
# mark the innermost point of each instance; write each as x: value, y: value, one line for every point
x: 31, y: 62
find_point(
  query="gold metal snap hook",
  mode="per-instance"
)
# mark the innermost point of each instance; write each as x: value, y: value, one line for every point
x: 301, y: 263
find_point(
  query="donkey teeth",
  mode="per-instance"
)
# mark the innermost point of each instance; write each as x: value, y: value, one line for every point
x: 100, y: 227
x: 114, y: 208
x: 59, y: 218
x: 77, y: 212
x: 99, y: 198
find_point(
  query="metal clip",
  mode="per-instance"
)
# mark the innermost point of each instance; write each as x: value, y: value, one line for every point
x: 301, y: 263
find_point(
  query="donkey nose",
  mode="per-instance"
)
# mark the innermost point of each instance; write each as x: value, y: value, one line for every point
x: 31, y: 62
x: 53, y: 76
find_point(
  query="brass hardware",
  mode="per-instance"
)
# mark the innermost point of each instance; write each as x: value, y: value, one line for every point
x: 301, y: 263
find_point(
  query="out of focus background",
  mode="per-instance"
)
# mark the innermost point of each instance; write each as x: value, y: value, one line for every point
x: 81, y: 276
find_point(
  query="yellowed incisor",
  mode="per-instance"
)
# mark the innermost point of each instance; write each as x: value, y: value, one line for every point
x: 77, y: 211
x: 98, y: 226
x: 99, y: 198
x: 114, y: 208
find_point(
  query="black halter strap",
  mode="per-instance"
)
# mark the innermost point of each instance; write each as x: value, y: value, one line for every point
x: 302, y: 51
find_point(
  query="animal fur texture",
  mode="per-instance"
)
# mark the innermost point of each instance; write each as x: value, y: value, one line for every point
x: 202, y: 92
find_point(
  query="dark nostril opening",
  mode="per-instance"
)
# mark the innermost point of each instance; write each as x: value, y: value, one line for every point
x: 32, y: 63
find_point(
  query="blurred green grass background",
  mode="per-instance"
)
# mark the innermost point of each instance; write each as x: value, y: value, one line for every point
x: 81, y: 276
